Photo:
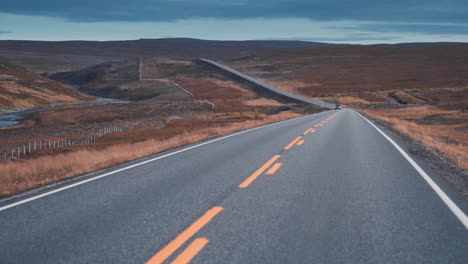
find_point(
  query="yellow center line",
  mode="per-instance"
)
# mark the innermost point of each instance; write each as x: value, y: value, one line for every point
x: 274, y: 168
x: 300, y: 142
x: 292, y: 143
x: 191, y: 251
x: 308, y: 131
x: 170, y: 248
x: 257, y: 173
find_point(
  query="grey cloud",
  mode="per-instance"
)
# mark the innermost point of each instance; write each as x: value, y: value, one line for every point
x: 157, y: 10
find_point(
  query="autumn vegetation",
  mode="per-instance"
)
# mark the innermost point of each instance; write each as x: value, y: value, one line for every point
x: 30, y: 173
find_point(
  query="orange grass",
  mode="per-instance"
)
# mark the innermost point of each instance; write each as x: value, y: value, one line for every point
x: 262, y: 102
x: 352, y: 101
x: 444, y: 138
x: 20, y: 176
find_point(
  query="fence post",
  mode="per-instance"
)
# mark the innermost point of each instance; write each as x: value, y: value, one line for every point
x: 29, y: 149
x: 12, y: 153
x: 24, y: 149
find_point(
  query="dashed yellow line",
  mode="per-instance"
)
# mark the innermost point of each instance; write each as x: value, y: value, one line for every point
x: 274, y: 168
x: 191, y: 251
x: 308, y: 131
x: 258, y: 172
x: 170, y: 248
x: 292, y: 143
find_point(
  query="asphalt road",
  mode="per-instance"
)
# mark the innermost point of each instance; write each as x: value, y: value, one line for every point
x: 270, y: 87
x: 342, y: 194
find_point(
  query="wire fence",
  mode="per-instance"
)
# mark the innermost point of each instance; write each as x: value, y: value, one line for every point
x: 19, y: 151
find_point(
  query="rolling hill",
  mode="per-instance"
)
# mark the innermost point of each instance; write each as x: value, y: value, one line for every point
x: 22, y: 89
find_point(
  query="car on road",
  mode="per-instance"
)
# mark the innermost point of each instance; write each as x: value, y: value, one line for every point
x: 337, y: 107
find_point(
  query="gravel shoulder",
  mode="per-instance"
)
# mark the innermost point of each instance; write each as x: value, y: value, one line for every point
x: 437, y: 161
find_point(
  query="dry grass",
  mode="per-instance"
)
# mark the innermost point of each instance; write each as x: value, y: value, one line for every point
x: 352, y: 101
x: 448, y: 139
x: 262, y: 102
x: 290, y: 85
x: 422, y: 111
x: 24, y: 175
x: 20, y: 88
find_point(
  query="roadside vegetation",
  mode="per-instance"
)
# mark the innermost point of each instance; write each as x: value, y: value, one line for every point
x: 159, y: 104
x: 23, y: 175
x: 419, y: 92
x: 447, y: 138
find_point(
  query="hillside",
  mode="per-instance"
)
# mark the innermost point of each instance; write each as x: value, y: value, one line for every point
x: 418, y: 90
x: 170, y: 47
x: 123, y: 80
x: 22, y: 89
x: 328, y: 71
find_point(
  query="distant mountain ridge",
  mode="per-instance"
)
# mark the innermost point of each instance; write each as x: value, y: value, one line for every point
x: 170, y: 47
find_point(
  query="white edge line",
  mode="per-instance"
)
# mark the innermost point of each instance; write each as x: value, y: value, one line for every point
x: 444, y: 197
x: 140, y: 163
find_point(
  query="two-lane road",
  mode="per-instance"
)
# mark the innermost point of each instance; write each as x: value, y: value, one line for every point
x: 327, y: 188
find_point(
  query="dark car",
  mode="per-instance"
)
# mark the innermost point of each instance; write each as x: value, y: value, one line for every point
x: 337, y: 107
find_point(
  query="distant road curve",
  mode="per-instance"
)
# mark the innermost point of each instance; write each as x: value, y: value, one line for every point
x: 270, y: 87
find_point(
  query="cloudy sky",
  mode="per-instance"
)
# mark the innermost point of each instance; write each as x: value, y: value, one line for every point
x: 337, y: 21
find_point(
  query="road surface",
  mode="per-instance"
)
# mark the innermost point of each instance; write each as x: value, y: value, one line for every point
x: 270, y: 87
x: 326, y: 188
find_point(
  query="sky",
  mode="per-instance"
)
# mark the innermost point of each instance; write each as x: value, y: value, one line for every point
x: 334, y: 21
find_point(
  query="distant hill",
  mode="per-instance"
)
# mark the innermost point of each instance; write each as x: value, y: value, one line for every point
x: 169, y: 48
x: 118, y: 80
x: 22, y: 89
